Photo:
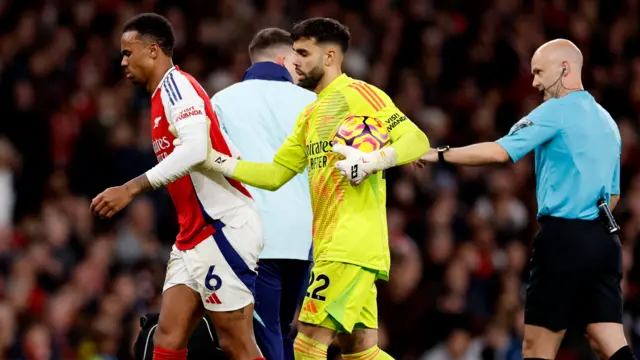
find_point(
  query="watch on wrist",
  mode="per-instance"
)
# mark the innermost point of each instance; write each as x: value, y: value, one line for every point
x: 441, y: 151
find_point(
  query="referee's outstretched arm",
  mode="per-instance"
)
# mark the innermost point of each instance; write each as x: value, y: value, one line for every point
x: 576, y: 269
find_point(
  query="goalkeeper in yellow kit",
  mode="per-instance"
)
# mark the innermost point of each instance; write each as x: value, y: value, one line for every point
x: 348, y: 191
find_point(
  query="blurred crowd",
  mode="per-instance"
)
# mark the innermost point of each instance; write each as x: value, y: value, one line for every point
x: 73, y: 287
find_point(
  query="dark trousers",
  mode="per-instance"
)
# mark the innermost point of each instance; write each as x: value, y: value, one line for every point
x: 280, y: 287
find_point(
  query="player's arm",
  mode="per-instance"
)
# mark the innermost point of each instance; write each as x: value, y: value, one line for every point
x: 288, y: 161
x: 408, y: 142
x: 540, y: 126
x: 191, y: 128
x: 267, y: 176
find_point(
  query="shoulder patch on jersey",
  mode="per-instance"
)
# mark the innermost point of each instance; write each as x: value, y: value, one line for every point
x: 188, y: 112
x: 395, y: 120
x: 523, y: 123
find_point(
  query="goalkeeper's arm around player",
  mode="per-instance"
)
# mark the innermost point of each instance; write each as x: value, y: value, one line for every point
x: 407, y: 148
x: 268, y: 176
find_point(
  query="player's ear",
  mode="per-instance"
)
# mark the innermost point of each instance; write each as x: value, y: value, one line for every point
x: 280, y: 60
x: 154, y: 51
x: 329, y: 57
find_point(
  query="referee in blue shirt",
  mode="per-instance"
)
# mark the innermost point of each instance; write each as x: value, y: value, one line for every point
x: 576, y: 265
x: 258, y: 114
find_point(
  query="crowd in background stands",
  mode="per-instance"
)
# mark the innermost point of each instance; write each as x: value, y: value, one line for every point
x: 73, y: 287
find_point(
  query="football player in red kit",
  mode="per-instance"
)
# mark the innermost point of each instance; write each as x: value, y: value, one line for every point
x: 212, y: 266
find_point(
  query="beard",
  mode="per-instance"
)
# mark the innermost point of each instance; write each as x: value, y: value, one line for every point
x: 550, y: 92
x: 542, y: 93
x: 311, y: 79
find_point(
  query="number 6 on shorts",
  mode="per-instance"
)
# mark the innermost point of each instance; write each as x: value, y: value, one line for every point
x: 217, y: 281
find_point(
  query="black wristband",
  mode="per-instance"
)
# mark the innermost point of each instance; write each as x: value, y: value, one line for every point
x: 441, y: 151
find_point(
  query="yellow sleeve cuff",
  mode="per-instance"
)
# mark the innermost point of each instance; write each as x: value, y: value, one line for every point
x: 410, y: 146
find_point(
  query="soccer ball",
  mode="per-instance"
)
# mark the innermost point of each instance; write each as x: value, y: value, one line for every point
x: 364, y: 133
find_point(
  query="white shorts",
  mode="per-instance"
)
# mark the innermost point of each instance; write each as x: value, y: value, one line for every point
x: 222, y: 268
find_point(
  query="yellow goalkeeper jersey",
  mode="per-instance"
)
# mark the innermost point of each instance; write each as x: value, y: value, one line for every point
x: 349, y: 221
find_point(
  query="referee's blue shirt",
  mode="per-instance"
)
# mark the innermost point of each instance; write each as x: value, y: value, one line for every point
x: 258, y: 114
x: 577, y: 152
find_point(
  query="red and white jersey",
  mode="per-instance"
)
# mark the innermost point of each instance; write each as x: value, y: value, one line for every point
x: 200, y: 196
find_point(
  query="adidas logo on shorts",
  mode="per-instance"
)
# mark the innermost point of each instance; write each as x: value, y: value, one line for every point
x: 310, y: 307
x: 213, y: 299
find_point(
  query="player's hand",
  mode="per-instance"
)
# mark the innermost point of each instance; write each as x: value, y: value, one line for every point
x: 430, y: 157
x: 215, y: 161
x: 219, y: 162
x: 356, y: 166
x: 110, y: 201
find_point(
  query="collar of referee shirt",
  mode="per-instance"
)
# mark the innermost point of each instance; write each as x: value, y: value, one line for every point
x: 267, y: 70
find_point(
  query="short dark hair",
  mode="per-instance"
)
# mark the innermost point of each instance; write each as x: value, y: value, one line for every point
x: 268, y: 38
x: 155, y: 27
x: 323, y: 30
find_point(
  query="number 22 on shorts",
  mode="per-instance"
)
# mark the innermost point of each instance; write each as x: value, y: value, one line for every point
x: 315, y: 294
x: 212, y: 281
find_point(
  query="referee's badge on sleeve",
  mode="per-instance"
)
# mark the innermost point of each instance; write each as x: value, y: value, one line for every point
x: 523, y: 123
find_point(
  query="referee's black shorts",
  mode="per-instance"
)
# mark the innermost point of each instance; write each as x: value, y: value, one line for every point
x: 575, y: 274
